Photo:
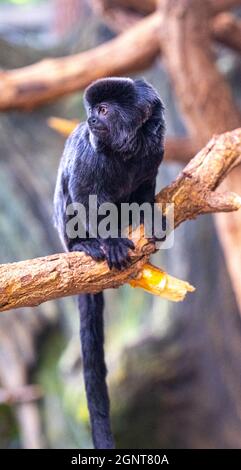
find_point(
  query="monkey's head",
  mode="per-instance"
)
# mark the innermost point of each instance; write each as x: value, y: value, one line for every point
x: 119, y: 109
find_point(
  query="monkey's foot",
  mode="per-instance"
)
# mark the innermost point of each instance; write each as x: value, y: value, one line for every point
x: 116, y: 252
x: 91, y: 247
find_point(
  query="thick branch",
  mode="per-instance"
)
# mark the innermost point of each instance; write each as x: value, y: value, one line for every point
x: 143, y: 6
x: 208, y: 106
x: 30, y: 86
x: 224, y: 27
x: 136, y: 49
x: 193, y: 191
x: 149, y: 6
x: 32, y: 282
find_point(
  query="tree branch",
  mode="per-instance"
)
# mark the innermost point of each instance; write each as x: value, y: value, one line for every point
x: 224, y: 27
x: 208, y: 107
x: 31, y: 282
x: 134, y: 50
x: 143, y: 7
x: 149, y: 6
x: 49, y: 79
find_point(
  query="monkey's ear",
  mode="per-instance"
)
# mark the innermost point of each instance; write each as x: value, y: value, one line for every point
x: 147, y: 112
x: 146, y: 97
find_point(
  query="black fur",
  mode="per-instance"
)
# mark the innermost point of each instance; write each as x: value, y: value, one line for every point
x: 116, y: 157
x: 92, y: 339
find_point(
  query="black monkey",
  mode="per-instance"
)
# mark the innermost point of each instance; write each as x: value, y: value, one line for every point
x: 114, y: 155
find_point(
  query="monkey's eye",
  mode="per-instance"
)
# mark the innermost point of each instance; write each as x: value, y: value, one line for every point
x: 103, y: 109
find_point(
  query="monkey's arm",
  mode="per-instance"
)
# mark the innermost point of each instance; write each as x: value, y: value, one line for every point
x: 68, y: 191
x: 145, y: 192
x: 83, y: 240
x: 115, y: 248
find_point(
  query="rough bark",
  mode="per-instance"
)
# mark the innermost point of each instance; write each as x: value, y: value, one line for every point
x: 208, y: 106
x: 134, y: 50
x: 32, y: 282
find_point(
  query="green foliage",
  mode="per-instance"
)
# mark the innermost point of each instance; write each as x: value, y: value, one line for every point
x: 9, y: 437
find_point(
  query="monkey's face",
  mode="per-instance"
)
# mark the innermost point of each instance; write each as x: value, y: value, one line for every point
x: 98, y: 119
x: 118, y: 111
x: 112, y: 124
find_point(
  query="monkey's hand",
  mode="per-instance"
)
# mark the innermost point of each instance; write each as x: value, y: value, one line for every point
x: 91, y: 247
x: 116, y: 252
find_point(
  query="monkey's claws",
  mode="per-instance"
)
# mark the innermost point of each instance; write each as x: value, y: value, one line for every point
x: 116, y: 252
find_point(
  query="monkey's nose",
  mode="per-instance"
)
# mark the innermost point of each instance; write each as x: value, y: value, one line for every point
x: 92, y: 121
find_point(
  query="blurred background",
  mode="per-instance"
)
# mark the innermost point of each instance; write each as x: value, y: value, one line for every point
x: 174, y: 369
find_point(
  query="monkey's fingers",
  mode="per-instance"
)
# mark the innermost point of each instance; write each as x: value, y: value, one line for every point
x: 158, y: 282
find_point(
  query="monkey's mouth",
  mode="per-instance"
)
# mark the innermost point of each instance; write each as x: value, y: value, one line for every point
x: 98, y: 129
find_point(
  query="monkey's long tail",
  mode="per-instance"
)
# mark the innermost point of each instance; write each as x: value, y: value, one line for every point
x: 91, y: 308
